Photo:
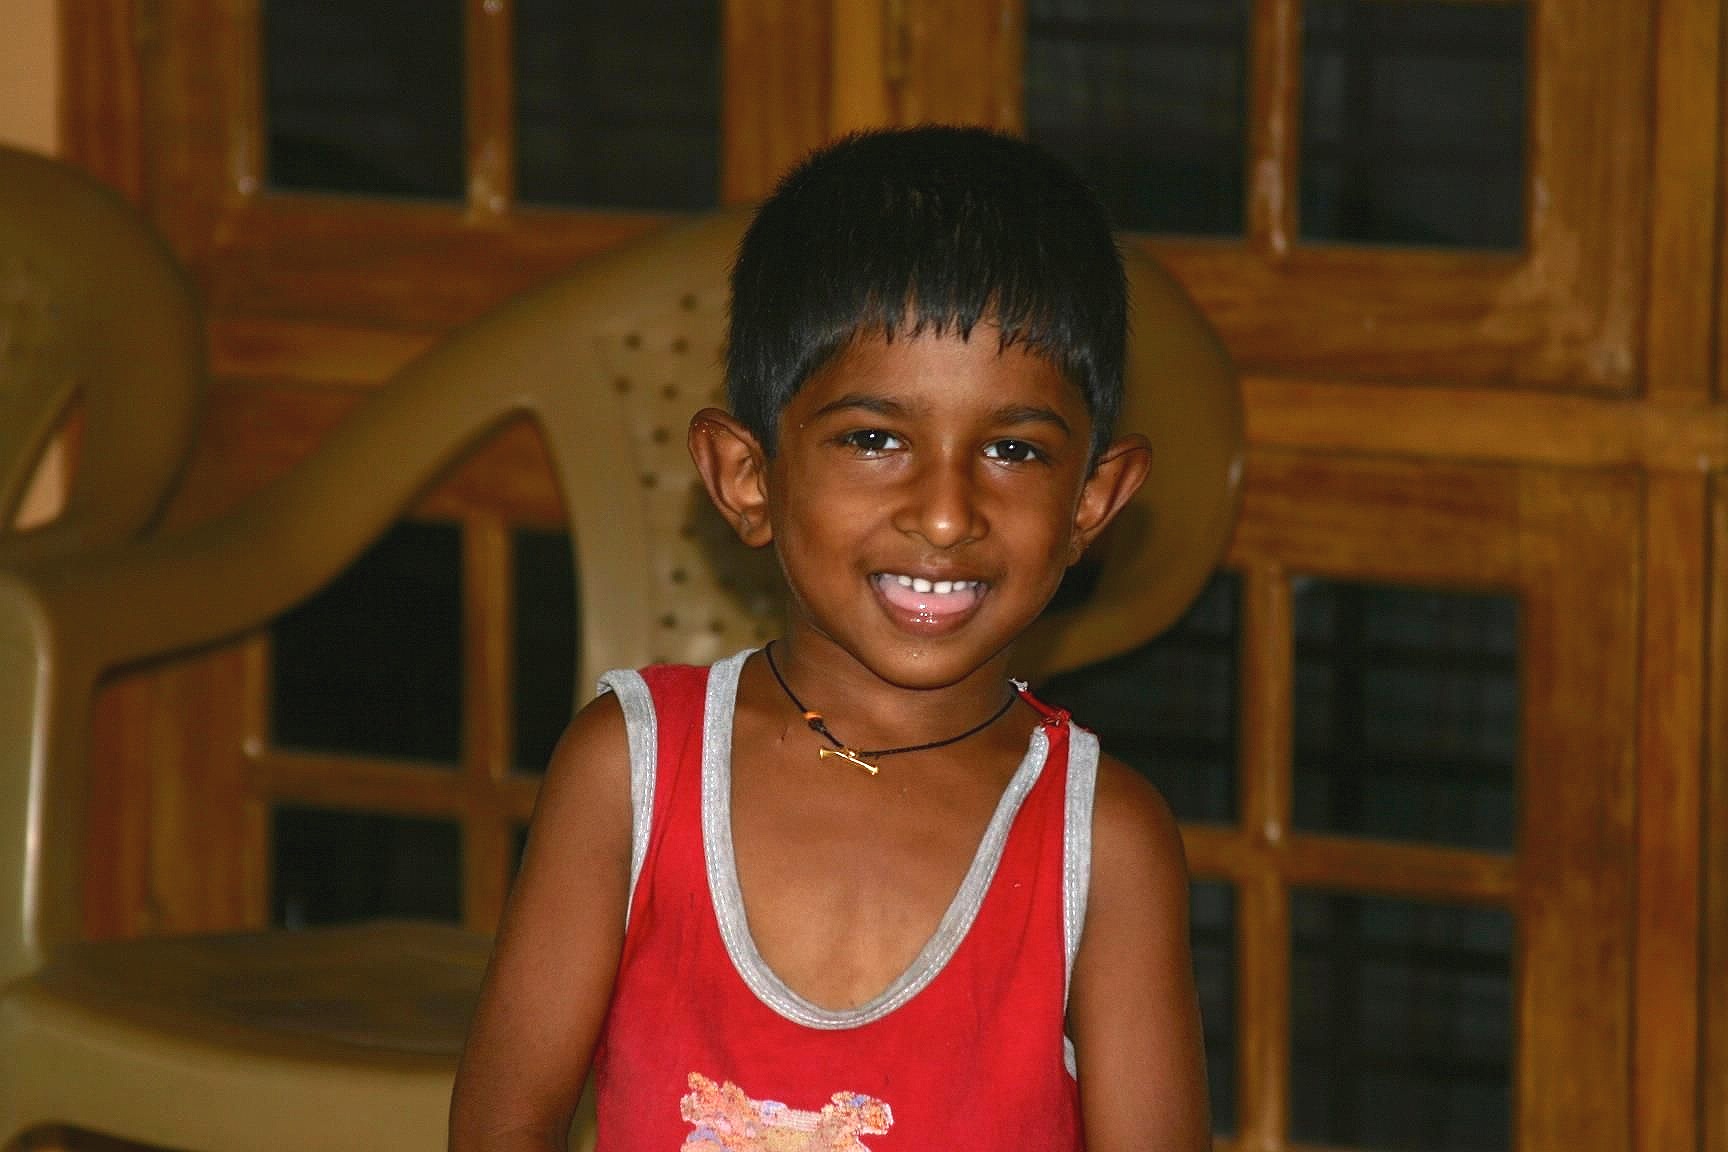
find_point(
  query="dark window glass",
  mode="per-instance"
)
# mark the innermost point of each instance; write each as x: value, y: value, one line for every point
x: 518, y: 846
x: 1213, y: 929
x: 618, y: 104
x: 545, y: 644
x: 364, y: 98
x: 1406, y: 713
x: 373, y: 664
x: 1413, y: 122
x: 1168, y: 708
x: 331, y: 867
x: 1401, y: 1027
x: 1148, y: 99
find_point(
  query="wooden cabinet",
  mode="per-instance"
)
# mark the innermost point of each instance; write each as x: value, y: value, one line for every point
x: 1540, y: 423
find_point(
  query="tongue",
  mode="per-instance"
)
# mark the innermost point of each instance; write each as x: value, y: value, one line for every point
x: 933, y: 603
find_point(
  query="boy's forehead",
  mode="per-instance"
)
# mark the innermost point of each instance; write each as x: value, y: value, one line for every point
x: 934, y: 370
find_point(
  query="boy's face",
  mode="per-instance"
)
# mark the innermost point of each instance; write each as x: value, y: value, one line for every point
x: 926, y: 498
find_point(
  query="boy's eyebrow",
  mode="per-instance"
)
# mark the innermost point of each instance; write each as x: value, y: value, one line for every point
x: 1033, y: 414
x: 883, y: 406
x: 880, y: 405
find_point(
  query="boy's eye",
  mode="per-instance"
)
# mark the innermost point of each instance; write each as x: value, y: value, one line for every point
x: 871, y: 441
x: 1012, y: 451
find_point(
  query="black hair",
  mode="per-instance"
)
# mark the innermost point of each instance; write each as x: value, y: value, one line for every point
x: 925, y: 230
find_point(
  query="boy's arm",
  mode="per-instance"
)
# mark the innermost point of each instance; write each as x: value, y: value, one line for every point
x: 550, y: 978
x: 1132, y: 1010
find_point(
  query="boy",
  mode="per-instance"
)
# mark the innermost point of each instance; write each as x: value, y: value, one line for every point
x: 856, y: 891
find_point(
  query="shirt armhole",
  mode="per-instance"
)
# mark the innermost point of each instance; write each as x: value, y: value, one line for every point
x: 639, y: 729
x: 1076, y: 859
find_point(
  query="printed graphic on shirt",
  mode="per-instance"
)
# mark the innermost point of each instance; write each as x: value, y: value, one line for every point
x: 725, y: 1118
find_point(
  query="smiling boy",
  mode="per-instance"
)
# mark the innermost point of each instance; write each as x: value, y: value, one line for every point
x: 860, y: 890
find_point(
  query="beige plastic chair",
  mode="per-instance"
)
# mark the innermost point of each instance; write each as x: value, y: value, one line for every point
x: 346, y: 1038
x: 93, y: 312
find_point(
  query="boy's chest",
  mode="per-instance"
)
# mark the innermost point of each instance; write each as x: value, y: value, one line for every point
x: 842, y: 892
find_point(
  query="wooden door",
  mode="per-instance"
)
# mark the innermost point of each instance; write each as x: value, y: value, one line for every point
x: 1503, y: 414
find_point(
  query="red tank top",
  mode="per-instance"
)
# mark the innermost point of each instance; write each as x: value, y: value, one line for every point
x: 705, y: 1048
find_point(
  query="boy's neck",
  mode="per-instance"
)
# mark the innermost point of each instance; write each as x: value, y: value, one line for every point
x: 864, y: 710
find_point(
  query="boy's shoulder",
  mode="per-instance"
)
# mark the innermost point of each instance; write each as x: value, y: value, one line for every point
x: 1135, y: 837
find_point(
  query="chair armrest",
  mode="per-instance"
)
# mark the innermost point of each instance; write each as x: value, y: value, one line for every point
x: 1182, y: 392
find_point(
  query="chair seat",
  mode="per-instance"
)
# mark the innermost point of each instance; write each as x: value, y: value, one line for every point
x: 388, y: 990
x: 348, y: 1035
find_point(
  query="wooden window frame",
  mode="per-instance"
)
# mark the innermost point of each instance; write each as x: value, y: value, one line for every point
x: 1566, y: 313
x: 1593, y: 354
x: 1565, y: 542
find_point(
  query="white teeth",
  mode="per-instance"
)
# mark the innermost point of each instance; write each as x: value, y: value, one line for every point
x: 939, y: 587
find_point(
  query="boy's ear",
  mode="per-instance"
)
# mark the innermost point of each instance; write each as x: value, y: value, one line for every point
x: 1120, y: 470
x: 734, y: 469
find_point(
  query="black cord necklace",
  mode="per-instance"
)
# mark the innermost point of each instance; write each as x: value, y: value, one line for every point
x: 863, y: 757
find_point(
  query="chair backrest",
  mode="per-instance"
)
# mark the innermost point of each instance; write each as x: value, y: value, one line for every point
x: 610, y: 361
x: 94, y: 313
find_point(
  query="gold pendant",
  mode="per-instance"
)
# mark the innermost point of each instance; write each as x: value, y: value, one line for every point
x: 848, y: 755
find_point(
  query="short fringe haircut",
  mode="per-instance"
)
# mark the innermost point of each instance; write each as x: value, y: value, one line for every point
x: 925, y: 230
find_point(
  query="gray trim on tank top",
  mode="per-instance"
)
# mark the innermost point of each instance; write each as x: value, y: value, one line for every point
x: 641, y: 731
x: 729, y: 900
x: 1076, y: 859
x: 1077, y: 843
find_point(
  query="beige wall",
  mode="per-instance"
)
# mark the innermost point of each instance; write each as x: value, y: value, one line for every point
x: 29, y: 74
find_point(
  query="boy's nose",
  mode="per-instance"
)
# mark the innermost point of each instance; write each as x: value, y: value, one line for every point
x: 941, y: 504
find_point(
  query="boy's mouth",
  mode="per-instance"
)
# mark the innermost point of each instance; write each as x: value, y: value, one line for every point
x: 929, y: 597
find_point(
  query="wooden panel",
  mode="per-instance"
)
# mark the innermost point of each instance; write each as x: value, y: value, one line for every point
x: 1394, y: 521
x: 1485, y: 424
x: 1355, y: 355
x: 170, y: 798
x: 1567, y: 543
x: 488, y: 601
x: 1713, y: 1110
x: 1357, y: 417
x: 776, y: 99
x: 1275, y: 109
x: 199, y: 50
x: 490, y: 110
x: 1263, y: 901
x: 956, y: 61
x: 101, y: 106
x: 867, y: 51
x: 1578, y: 561
x: 376, y: 263
x: 1684, y: 188
x: 1568, y: 313
x: 1670, y: 795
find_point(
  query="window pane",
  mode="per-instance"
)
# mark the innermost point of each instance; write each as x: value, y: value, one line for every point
x: 373, y: 663
x: 545, y: 680
x: 1168, y: 709
x: 1406, y: 713
x: 1212, y: 921
x: 330, y: 867
x: 1401, y: 1029
x: 1148, y: 99
x: 364, y: 98
x: 1413, y: 122
x: 618, y: 104
x: 518, y: 846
